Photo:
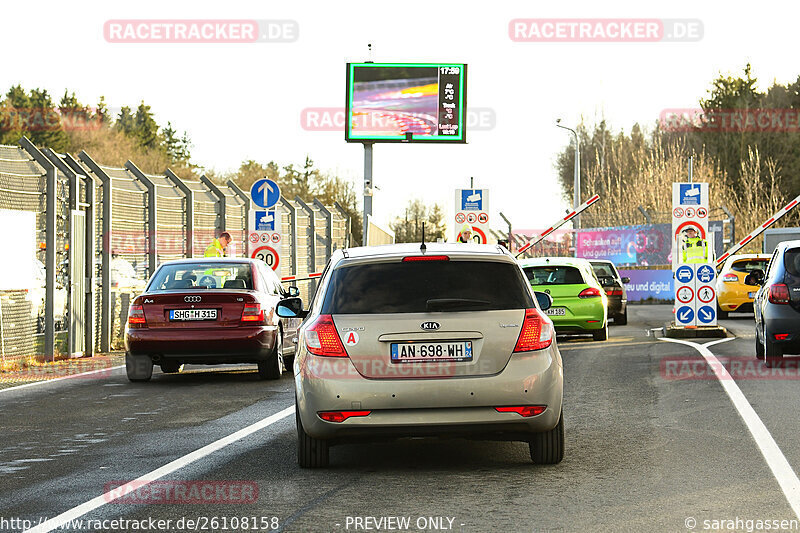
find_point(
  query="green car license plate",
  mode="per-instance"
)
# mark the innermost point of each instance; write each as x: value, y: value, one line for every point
x: 556, y: 311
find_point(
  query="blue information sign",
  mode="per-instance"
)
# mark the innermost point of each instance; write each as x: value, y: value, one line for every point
x: 684, y: 274
x: 265, y: 193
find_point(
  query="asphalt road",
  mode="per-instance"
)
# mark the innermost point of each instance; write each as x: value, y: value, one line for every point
x: 650, y: 447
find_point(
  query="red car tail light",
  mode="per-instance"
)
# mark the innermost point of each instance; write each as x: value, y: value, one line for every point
x: 253, y: 313
x: 536, y: 333
x: 779, y: 293
x: 523, y: 410
x: 136, y: 316
x: 340, y: 416
x: 614, y: 292
x: 591, y: 292
x: 781, y: 336
x: 730, y: 278
x: 322, y: 338
x: 411, y: 258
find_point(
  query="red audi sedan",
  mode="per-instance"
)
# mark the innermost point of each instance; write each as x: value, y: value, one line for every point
x: 209, y: 311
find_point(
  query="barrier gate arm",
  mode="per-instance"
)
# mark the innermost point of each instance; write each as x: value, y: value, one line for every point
x: 770, y: 221
x: 537, y: 238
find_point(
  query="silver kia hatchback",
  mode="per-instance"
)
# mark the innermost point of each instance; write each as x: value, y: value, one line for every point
x: 430, y: 340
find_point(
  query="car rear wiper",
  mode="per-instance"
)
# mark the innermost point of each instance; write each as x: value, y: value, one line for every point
x: 440, y: 304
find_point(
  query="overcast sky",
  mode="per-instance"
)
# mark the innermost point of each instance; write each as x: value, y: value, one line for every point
x: 244, y: 101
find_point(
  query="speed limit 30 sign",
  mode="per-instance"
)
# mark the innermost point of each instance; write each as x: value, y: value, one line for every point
x: 269, y: 255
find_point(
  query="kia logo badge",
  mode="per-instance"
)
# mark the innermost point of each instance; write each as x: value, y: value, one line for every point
x: 430, y: 326
x: 191, y: 299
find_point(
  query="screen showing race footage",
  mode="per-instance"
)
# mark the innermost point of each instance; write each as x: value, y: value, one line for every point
x: 406, y: 102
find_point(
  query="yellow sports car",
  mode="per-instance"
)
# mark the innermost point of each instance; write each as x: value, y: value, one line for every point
x: 732, y: 293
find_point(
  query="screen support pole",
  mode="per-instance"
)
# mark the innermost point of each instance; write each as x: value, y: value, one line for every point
x: 367, y: 189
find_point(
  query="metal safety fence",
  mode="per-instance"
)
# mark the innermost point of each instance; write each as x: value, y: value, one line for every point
x: 92, y: 234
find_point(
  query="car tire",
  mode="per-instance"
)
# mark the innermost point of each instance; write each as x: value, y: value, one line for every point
x: 548, y: 448
x: 311, y: 452
x: 601, y: 334
x: 759, y: 347
x: 138, y: 367
x: 171, y: 367
x: 272, y: 366
x: 773, y: 354
x: 622, y: 319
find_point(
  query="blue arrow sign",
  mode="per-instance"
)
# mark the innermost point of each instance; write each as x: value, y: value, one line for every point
x: 706, y: 314
x: 684, y: 274
x: 705, y: 273
x: 684, y: 315
x: 265, y: 193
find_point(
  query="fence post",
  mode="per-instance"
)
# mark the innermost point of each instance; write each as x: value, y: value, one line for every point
x: 341, y: 210
x: 50, y: 245
x: 293, y: 224
x: 221, y: 213
x: 152, y: 216
x: 90, y: 210
x: 189, y: 194
x: 312, y: 242
x: 105, y: 276
x: 328, y: 230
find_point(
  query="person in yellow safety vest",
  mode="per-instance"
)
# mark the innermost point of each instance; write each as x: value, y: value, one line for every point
x: 694, y: 249
x: 219, y: 245
x: 465, y: 235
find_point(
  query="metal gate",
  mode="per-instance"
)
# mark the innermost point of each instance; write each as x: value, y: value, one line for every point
x: 77, y: 283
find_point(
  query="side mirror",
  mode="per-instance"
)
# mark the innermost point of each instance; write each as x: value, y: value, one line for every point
x: 756, y: 277
x: 626, y: 280
x: 544, y: 300
x: 293, y: 291
x: 291, y: 308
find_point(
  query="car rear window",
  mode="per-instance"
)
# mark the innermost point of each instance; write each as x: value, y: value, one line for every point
x: 603, y: 270
x: 202, y: 276
x: 749, y: 265
x: 426, y: 286
x: 554, y: 275
x: 791, y: 262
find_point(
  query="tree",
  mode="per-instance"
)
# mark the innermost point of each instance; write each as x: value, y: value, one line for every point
x: 408, y: 228
x: 32, y: 115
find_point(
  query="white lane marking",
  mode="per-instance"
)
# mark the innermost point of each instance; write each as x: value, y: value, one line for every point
x: 781, y: 469
x: 158, y: 473
x: 73, y: 376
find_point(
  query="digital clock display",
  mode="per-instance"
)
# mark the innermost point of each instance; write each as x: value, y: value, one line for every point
x: 406, y: 102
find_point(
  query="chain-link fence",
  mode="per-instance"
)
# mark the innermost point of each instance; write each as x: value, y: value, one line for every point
x: 110, y: 228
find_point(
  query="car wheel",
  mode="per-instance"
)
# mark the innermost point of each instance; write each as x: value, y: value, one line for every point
x: 622, y: 319
x: 138, y: 367
x: 773, y: 354
x: 601, y: 334
x: 311, y: 452
x: 548, y: 448
x: 171, y: 367
x: 272, y: 366
x: 759, y: 347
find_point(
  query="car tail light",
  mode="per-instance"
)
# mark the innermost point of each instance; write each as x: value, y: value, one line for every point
x: 614, y: 292
x: 779, y: 293
x: 536, y: 334
x: 411, y: 258
x: 136, y: 316
x: 781, y: 336
x: 523, y: 410
x: 322, y: 338
x: 591, y: 292
x: 253, y: 313
x: 340, y: 416
x: 730, y: 278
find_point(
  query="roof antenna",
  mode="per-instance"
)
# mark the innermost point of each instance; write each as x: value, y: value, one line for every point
x: 422, y: 246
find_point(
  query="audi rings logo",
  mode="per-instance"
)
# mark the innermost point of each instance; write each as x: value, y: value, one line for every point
x: 191, y: 299
x: 430, y: 325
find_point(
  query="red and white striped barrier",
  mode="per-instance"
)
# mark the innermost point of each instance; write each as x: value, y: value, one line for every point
x: 313, y: 275
x: 537, y: 238
x: 770, y: 221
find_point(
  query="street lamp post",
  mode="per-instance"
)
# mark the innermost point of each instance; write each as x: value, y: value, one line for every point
x: 576, y: 184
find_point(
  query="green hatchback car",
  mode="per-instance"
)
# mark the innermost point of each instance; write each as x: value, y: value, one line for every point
x: 579, y: 301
